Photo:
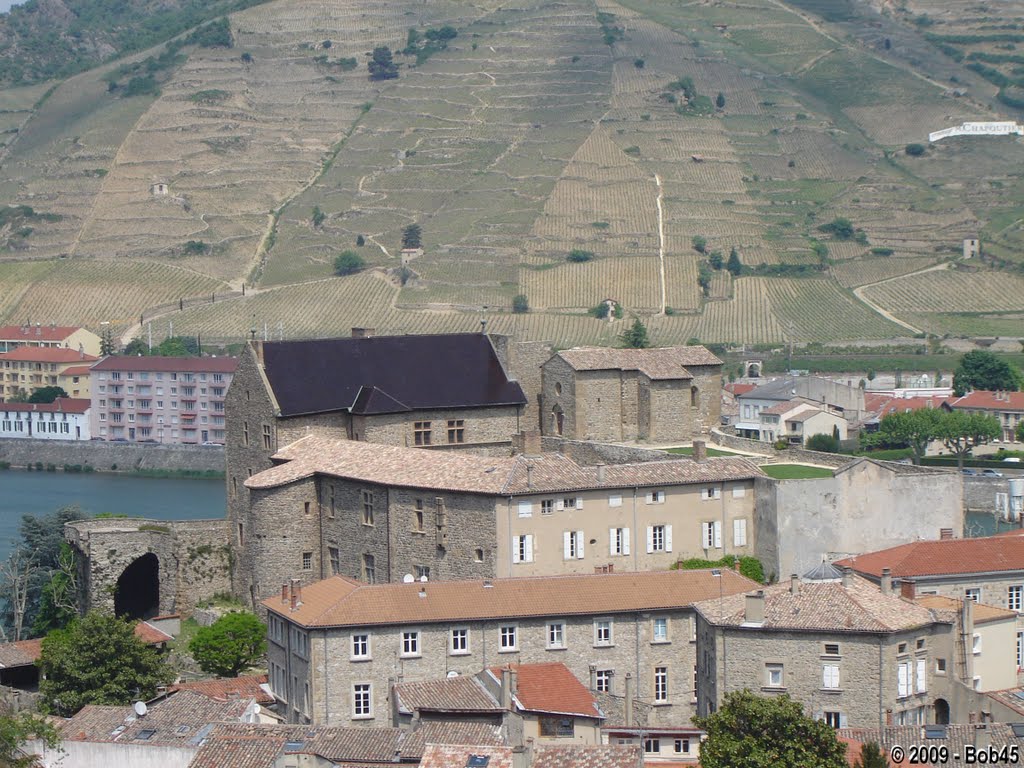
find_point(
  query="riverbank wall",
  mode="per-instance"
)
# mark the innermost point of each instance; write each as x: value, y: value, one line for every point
x: 113, y: 457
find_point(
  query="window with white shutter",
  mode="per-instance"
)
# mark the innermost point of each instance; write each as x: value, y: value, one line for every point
x: 579, y: 502
x: 615, y: 500
x: 830, y: 676
x: 625, y: 540
x: 718, y: 534
x: 579, y: 544
x: 738, y: 492
x: 568, y: 540
x: 903, y: 680
x: 650, y: 539
x: 739, y: 533
x: 668, y: 538
x: 559, y: 505
x: 528, y: 548
x: 522, y: 548
x: 922, y: 675
x: 707, y: 535
x: 525, y: 509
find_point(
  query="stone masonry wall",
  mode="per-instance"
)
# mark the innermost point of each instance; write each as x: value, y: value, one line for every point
x: 602, y: 393
x: 277, y: 533
x: 559, y: 391
x: 525, y: 359
x: 103, y: 455
x: 633, y: 650
x: 589, y: 454
x: 480, y: 425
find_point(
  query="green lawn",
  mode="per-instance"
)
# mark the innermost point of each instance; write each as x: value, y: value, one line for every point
x: 688, y: 451
x: 795, y: 471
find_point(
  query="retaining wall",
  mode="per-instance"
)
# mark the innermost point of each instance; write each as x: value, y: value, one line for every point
x: 102, y: 455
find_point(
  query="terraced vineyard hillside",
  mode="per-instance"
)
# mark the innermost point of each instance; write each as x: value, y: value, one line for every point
x: 650, y: 140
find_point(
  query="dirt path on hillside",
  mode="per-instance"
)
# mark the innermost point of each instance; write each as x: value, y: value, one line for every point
x: 661, y: 238
x: 859, y: 293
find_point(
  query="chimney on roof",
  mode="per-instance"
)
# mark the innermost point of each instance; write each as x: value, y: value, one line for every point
x: 847, y: 578
x: 600, y: 472
x: 982, y: 737
x: 908, y: 589
x: 362, y: 333
x: 794, y: 584
x: 529, y: 476
x: 284, y: 593
x: 945, y: 533
x: 753, y: 607
x: 700, y: 450
x: 630, y: 695
x: 886, y: 583
x: 506, y: 688
x: 296, y: 593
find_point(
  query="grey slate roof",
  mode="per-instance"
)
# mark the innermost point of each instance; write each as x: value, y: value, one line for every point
x: 387, y: 374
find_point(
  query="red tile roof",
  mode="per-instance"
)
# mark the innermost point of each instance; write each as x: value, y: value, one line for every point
x: 457, y: 694
x: 47, y: 355
x: 740, y: 389
x: 943, y: 557
x: 60, y: 405
x: 342, y: 602
x: 990, y: 401
x: 76, y: 370
x: 150, y: 635
x: 27, y: 333
x: 168, y: 364
x: 551, y: 688
x: 225, y: 688
x: 449, y: 756
x: 904, y: 404
x: 23, y: 653
x: 589, y: 756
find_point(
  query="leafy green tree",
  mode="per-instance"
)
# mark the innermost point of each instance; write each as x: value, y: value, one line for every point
x: 360, y: 241
x: 915, y: 429
x: 716, y: 260
x: 840, y: 228
x: 136, y: 347
x: 635, y: 336
x: 872, y: 756
x: 822, y: 442
x: 179, y: 346
x: 981, y: 369
x: 318, y: 216
x: 704, y: 278
x: 348, y: 263
x: 98, y: 660
x: 15, y: 730
x: 47, y: 394
x: 961, y: 432
x: 520, y: 304
x: 578, y: 255
x: 230, y: 645
x: 914, y: 150
x: 58, y: 601
x: 734, y: 265
x: 720, y: 100
x: 700, y: 243
x: 381, y: 65
x: 412, y: 236
x: 767, y: 732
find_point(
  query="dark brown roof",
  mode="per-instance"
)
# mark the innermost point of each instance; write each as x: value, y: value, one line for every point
x: 342, y: 602
x: 387, y: 374
x: 167, y: 364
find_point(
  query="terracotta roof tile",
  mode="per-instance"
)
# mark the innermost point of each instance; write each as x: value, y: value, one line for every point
x: 957, y: 736
x: 587, y: 756
x: 60, y: 405
x: 457, y: 694
x: 47, y: 355
x: 826, y: 606
x: 414, y: 744
x: 167, y: 364
x: 982, y: 612
x: 22, y: 653
x: 943, y: 557
x: 990, y: 401
x: 150, y: 635
x: 449, y: 756
x: 551, y: 688
x: 225, y: 688
x: 1010, y: 697
x: 245, y: 745
x: 418, y: 468
x: 655, y: 363
x: 32, y: 333
x: 77, y: 370
x: 339, y: 602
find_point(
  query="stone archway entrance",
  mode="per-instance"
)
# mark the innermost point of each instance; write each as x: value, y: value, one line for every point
x: 752, y: 368
x: 941, y: 712
x: 557, y: 420
x: 137, y: 594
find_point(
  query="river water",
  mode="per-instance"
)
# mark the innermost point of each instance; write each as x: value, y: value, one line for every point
x: 37, y: 493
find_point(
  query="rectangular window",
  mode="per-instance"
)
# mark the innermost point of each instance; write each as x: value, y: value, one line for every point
x: 773, y: 675
x: 660, y: 684
x: 456, y: 431
x: 362, y: 705
x: 571, y: 502
x: 940, y: 665
x: 603, y: 632
x: 739, y: 533
x: 973, y: 593
x: 903, y: 678
x: 411, y: 643
x: 525, y: 509
x: 655, y: 497
x: 833, y: 719
x: 421, y: 572
x: 367, y: 507
x: 360, y: 646
x: 522, y: 548
x: 711, y: 534
x: 421, y: 432
x: 711, y: 492
x: 369, y: 569
x: 1020, y: 651
x: 922, y: 675
x: 417, y: 516
x: 615, y: 500
x: 618, y: 541
x: 572, y: 545
x: 682, y: 746
x: 976, y: 644
x: 556, y: 635
x: 245, y: 429
x: 830, y: 676
x: 556, y: 727
x: 738, y: 492
x: 603, y: 680
x: 266, y: 437
x: 660, y: 633
x: 335, y: 557
x: 459, y: 641
x: 307, y: 561
x: 659, y: 538
x: 1013, y: 597
x: 507, y: 638
x: 652, y: 746
x: 831, y: 649
x: 547, y: 506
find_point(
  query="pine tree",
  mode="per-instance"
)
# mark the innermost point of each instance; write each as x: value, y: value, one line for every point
x: 635, y: 336
x: 734, y: 265
x: 106, y: 341
x: 412, y: 236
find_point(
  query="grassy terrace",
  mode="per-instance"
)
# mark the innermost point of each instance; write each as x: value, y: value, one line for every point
x: 795, y: 471
x: 688, y: 451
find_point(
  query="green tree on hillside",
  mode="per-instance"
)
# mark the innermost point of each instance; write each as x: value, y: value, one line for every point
x: 734, y: 265
x: 381, y: 65
x: 230, y: 645
x: 107, y: 346
x: 348, y: 263
x: 716, y: 260
x: 700, y: 244
x: 767, y: 732
x: 318, y: 217
x: 98, y: 659
x: 981, y: 369
x: 412, y: 236
x: 720, y: 100
x: 520, y: 304
x: 635, y: 336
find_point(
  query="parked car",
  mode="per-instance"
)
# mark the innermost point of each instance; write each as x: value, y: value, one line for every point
x: 968, y: 471
x: 991, y: 473
x: 1012, y: 460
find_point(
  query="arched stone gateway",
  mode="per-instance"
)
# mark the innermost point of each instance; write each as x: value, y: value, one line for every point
x: 752, y: 369
x: 941, y: 712
x: 137, y: 594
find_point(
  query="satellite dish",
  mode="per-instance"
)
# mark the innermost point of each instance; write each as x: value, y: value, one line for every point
x: 408, y: 578
x: 140, y: 708
x: 423, y: 578
x: 452, y: 673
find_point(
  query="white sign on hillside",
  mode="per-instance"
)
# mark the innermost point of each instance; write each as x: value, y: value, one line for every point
x: 978, y: 129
